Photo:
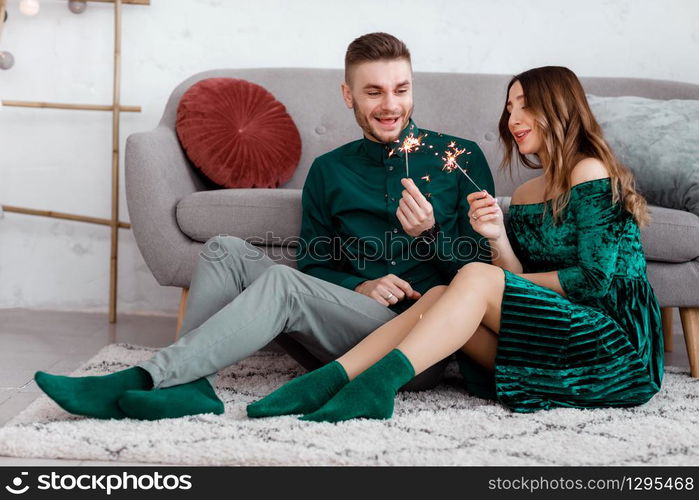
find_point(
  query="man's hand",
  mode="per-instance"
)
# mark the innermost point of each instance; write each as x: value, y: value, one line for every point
x: 388, y: 290
x: 414, y: 211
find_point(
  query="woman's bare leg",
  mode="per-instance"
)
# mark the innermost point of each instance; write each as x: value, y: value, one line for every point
x: 482, y: 347
x: 387, y: 337
x: 473, y: 297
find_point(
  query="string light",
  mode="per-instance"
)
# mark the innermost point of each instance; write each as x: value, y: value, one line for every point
x: 29, y: 7
x: 7, y: 60
x: 77, y: 6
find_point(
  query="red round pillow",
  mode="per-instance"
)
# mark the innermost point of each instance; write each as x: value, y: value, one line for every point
x: 238, y: 134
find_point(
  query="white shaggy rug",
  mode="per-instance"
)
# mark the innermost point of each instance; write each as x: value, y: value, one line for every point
x: 443, y: 426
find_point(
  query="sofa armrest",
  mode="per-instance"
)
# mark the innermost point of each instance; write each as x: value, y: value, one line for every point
x: 158, y: 176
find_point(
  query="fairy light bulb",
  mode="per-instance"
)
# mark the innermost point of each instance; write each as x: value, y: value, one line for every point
x: 29, y: 7
x: 77, y: 6
x: 7, y: 60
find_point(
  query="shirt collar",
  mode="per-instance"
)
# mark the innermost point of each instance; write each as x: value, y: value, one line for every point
x: 378, y: 151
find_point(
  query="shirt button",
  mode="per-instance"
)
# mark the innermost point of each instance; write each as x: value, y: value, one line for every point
x: 395, y: 229
x: 386, y: 195
x: 393, y: 262
x: 390, y: 169
x: 392, y: 198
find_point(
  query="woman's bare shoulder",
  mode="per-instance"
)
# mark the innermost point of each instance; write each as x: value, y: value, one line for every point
x: 588, y: 169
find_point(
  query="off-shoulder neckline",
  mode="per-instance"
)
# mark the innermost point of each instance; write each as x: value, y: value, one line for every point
x: 572, y: 190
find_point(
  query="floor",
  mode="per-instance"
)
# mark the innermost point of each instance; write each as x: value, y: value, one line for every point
x: 59, y: 342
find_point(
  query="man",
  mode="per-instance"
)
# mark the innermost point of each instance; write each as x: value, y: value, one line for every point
x: 372, y: 241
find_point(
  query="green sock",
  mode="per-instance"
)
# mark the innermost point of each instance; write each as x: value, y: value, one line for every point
x: 94, y: 396
x: 191, y: 398
x: 371, y: 394
x: 304, y: 394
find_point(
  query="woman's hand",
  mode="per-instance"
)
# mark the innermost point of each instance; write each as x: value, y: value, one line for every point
x: 485, y: 215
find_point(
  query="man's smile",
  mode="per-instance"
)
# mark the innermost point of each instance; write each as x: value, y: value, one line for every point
x: 387, y: 122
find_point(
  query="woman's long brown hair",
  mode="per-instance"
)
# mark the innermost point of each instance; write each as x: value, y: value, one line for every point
x: 556, y: 100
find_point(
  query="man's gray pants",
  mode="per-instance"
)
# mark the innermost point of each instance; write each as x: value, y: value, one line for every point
x: 240, y: 300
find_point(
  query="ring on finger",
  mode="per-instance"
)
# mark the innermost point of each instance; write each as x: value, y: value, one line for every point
x: 389, y: 296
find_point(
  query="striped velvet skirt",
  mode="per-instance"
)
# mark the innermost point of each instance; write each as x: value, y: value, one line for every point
x: 556, y: 353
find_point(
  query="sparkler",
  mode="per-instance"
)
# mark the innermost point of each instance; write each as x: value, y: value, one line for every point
x: 451, y: 163
x: 410, y: 144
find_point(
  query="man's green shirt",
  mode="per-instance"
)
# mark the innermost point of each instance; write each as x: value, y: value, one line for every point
x: 350, y: 232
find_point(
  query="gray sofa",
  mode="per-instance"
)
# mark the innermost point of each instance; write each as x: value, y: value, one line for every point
x: 173, y: 209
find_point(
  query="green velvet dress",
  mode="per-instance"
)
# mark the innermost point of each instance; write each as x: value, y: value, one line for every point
x: 602, y: 346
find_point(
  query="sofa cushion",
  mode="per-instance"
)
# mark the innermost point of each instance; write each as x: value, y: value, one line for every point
x: 675, y: 285
x: 657, y: 140
x: 272, y: 217
x: 238, y: 134
x: 672, y: 236
x: 268, y: 217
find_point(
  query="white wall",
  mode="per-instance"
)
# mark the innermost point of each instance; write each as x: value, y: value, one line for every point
x: 61, y: 160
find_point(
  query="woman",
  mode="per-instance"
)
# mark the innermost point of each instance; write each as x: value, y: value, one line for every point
x: 564, y: 316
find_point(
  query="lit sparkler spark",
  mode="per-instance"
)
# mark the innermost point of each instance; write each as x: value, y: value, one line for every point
x: 452, y: 153
x: 451, y: 163
x: 410, y: 144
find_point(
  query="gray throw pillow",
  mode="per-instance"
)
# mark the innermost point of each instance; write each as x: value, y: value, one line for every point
x: 659, y: 141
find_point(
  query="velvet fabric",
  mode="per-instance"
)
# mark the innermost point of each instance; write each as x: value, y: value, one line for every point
x: 600, y: 346
x: 238, y: 134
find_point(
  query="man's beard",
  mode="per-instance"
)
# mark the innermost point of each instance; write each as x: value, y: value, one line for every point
x: 365, y: 125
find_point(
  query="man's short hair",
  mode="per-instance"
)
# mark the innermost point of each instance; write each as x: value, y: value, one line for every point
x: 374, y: 47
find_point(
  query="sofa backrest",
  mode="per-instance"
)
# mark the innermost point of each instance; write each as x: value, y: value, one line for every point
x: 460, y: 104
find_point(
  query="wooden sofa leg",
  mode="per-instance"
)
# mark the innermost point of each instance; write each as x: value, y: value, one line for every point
x: 180, y: 314
x: 667, y: 327
x: 690, y: 325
